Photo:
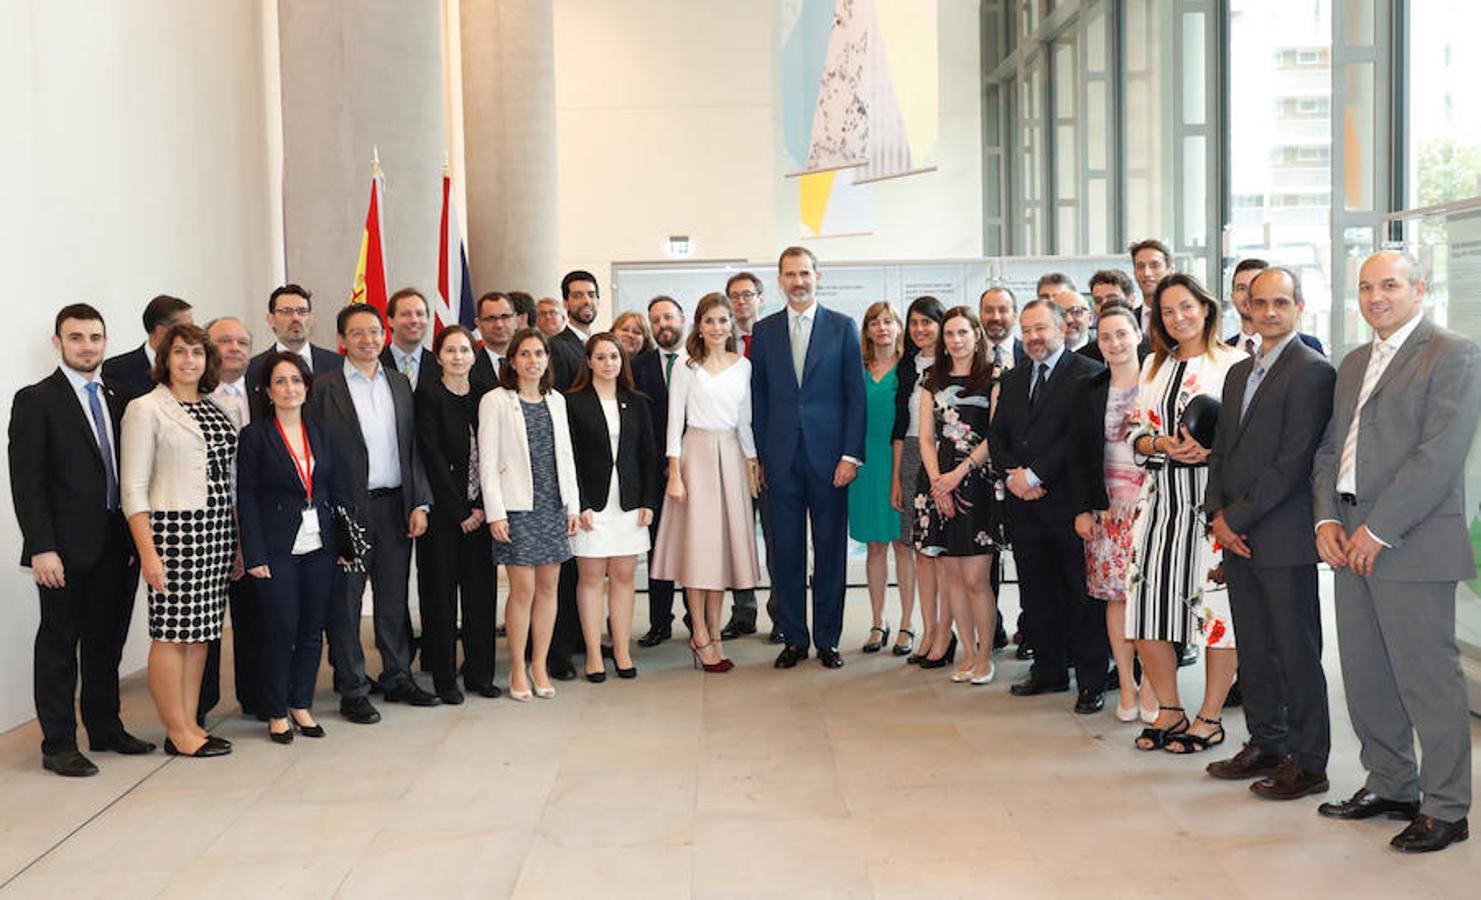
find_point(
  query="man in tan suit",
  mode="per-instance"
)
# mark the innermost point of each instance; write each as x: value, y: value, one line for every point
x: 1390, y: 520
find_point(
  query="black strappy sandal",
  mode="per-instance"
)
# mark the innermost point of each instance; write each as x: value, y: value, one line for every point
x: 904, y: 649
x: 1187, y: 742
x: 1159, y: 737
x: 876, y: 646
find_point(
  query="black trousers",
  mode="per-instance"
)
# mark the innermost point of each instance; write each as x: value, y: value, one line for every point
x: 248, y: 633
x: 743, y: 610
x: 567, y: 639
x: 453, y: 565
x: 1062, y: 621
x: 388, y: 566
x: 1278, y: 623
x: 293, y: 604
x: 87, y: 620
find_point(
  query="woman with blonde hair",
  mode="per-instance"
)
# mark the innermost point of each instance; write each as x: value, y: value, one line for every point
x: 707, y: 532
x: 631, y: 329
x: 872, y: 521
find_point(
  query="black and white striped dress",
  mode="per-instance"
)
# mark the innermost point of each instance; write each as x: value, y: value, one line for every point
x: 1170, y: 597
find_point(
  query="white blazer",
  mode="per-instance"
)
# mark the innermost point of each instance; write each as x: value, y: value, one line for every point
x: 164, y: 462
x: 504, y: 455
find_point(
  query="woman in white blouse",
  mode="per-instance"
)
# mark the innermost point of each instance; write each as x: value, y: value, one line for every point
x: 707, y: 533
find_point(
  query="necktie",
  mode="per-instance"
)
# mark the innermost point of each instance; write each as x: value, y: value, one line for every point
x: 1376, y: 364
x: 1249, y: 346
x: 746, y: 341
x: 997, y: 356
x: 1041, y: 376
x: 105, y: 447
x: 799, y: 346
x: 409, y: 368
x: 668, y: 366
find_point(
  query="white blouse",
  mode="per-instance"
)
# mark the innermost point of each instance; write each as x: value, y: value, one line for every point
x: 912, y: 406
x: 720, y: 402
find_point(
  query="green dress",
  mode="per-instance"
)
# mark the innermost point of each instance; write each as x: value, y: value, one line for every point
x: 870, y: 516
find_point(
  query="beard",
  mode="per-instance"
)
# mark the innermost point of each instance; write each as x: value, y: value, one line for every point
x: 586, y: 314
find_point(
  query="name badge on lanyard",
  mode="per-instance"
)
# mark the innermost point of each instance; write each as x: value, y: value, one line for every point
x: 308, y: 530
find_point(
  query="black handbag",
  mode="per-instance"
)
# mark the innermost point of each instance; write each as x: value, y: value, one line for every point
x: 353, y: 544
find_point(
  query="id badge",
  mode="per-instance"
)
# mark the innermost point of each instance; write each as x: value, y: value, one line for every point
x: 310, y: 524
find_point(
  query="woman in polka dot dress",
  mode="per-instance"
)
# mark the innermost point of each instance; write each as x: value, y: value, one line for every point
x: 179, y: 459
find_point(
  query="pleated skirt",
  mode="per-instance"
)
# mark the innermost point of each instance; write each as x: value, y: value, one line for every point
x: 708, y: 542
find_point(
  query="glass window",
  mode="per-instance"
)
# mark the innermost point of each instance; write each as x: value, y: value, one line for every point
x: 1444, y: 137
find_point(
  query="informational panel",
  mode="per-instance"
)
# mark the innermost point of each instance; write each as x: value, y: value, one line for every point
x: 1456, y: 283
x: 634, y: 284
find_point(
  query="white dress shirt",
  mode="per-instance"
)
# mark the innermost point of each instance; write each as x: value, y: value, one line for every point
x: 375, y: 407
x: 922, y: 363
x: 722, y: 402
x: 305, y: 353
x: 236, y: 392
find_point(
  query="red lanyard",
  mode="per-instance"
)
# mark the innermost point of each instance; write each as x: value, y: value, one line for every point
x: 305, y: 471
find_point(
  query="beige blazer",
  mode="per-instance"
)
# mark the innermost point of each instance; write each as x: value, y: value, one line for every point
x: 504, y: 455
x: 164, y: 454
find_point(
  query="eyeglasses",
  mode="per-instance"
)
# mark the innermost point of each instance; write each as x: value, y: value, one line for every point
x: 356, y: 334
x: 1077, y: 312
x: 292, y: 311
x: 745, y: 295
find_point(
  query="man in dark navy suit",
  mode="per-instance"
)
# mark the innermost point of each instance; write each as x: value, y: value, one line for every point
x: 807, y: 377
x: 290, y: 314
x: 651, y: 371
x: 64, y: 440
x: 129, y: 371
x: 496, y: 326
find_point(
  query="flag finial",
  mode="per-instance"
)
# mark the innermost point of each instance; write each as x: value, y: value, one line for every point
x: 446, y: 170
x: 375, y: 161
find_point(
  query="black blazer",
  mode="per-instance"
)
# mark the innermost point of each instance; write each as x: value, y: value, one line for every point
x: 427, y: 367
x: 637, y: 454
x: 483, y: 370
x: 907, y: 375
x: 1260, y: 467
x: 57, y: 479
x: 1048, y: 438
x: 567, y: 356
x: 648, y: 376
x: 323, y: 361
x: 1309, y: 340
x: 270, y: 496
x: 130, y: 373
x: 332, y: 407
x: 443, y: 420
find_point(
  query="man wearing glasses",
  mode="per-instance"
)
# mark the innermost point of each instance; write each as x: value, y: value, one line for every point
x: 1057, y: 288
x: 290, y: 314
x: 496, y: 324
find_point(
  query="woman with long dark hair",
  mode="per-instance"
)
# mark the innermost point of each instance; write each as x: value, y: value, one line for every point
x: 923, y: 327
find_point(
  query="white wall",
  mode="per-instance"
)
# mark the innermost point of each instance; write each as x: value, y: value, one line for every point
x: 667, y: 124
x: 134, y: 161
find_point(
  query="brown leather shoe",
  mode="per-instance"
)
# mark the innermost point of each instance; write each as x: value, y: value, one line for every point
x: 1427, y: 834
x: 1250, y: 762
x: 1288, y: 782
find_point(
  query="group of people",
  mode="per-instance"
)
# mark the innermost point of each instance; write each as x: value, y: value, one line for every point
x: 1158, y: 485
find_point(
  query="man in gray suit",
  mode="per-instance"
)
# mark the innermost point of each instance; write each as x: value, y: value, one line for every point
x: 1275, y: 408
x: 1390, y: 521
x: 367, y: 410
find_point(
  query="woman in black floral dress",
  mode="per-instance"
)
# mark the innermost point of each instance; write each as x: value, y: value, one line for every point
x: 958, y: 516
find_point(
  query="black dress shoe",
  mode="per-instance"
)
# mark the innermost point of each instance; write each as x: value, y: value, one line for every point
x: 655, y: 636
x: 1089, y: 702
x: 1024, y: 651
x: 999, y: 639
x: 124, y: 743
x: 790, y: 657
x: 1365, y: 805
x: 501, y: 631
x: 561, y: 669
x: 281, y: 737
x: 451, y: 696
x: 1427, y: 834
x: 359, y: 710
x: 734, y: 629
x: 1235, y: 697
x: 775, y: 637
x: 411, y: 694
x: 212, y: 747
x: 69, y: 764
x: 830, y: 658
x: 597, y: 677
x: 1032, y: 687
x: 486, y: 690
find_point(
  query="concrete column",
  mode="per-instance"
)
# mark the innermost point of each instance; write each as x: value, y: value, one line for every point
x: 509, y: 144
x: 356, y: 76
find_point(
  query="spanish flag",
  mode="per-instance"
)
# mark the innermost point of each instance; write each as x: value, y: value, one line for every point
x: 370, y: 271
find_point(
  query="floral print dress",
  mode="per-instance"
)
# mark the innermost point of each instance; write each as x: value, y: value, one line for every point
x: 975, y: 526
x: 1108, y: 552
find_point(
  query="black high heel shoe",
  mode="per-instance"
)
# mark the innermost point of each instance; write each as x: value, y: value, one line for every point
x: 904, y: 649
x: 212, y: 747
x: 281, y: 737
x: 629, y: 672
x: 876, y: 646
x: 309, y: 731
x: 950, y: 657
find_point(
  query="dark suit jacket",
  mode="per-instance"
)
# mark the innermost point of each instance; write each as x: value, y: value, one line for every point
x: 130, y: 373
x: 270, y: 496
x: 483, y: 373
x: 1260, y: 467
x: 333, y: 407
x: 1309, y: 340
x: 324, y: 361
x: 427, y: 367
x: 648, y: 376
x: 1049, y: 437
x: 57, y: 479
x: 828, y: 407
x: 567, y: 355
x: 443, y: 440
x: 637, y: 454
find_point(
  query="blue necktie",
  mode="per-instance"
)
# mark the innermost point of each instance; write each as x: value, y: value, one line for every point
x: 95, y: 406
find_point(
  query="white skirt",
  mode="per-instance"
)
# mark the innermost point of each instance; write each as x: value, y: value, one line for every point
x: 614, y: 532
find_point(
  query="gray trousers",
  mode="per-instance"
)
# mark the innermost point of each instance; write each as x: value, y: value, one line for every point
x: 1402, y: 673
x: 1278, y: 623
x: 744, y: 609
x: 388, y: 568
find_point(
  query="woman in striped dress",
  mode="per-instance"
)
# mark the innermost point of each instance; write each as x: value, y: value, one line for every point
x: 1172, y: 597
